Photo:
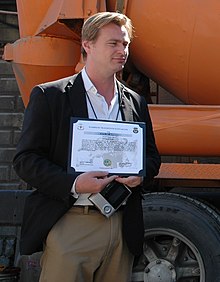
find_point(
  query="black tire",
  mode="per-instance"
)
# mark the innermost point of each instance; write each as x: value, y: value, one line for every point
x: 182, y: 240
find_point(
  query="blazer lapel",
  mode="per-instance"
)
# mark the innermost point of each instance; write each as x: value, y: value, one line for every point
x: 76, y: 92
x: 125, y: 104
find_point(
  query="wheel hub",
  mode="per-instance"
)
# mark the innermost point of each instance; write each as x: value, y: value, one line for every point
x: 159, y: 270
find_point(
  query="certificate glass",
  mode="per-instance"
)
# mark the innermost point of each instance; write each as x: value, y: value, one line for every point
x: 103, y: 145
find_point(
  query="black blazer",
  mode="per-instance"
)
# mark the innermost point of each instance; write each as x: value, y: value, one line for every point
x: 42, y: 153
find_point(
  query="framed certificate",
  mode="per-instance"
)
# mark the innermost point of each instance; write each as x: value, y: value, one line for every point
x: 104, y: 145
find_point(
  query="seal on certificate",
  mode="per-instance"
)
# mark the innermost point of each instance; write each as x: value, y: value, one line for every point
x: 107, y: 162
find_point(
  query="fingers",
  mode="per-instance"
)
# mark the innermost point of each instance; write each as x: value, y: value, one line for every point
x: 93, y: 181
x: 130, y: 181
x: 97, y: 174
x: 109, y: 179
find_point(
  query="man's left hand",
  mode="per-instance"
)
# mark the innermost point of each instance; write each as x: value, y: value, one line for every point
x: 130, y: 181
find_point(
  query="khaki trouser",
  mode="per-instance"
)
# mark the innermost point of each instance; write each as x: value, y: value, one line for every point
x: 86, y: 247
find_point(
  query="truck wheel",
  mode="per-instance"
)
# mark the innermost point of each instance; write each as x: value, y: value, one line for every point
x: 182, y: 241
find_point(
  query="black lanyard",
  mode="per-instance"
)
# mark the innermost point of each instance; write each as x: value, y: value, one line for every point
x: 90, y: 102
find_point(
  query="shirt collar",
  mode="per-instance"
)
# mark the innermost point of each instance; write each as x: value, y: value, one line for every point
x: 89, y: 85
x: 87, y: 82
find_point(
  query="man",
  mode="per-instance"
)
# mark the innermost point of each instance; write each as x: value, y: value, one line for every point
x: 81, y: 244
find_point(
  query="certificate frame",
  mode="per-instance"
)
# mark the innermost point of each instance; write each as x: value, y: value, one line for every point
x: 124, y: 154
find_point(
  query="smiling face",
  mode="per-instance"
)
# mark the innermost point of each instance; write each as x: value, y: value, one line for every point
x: 108, y: 53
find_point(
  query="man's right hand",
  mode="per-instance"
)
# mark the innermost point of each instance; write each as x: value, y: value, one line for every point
x: 93, y: 181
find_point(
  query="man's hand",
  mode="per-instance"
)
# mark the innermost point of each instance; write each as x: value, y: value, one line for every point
x: 130, y: 181
x: 93, y: 181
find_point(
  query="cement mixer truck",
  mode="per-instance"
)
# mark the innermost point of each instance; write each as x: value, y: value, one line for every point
x: 176, y: 48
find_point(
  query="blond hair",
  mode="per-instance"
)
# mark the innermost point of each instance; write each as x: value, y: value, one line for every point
x: 93, y: 24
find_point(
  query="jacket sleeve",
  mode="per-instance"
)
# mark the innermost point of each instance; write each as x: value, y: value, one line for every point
x: 153, y: 159
x: 33, y: 161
